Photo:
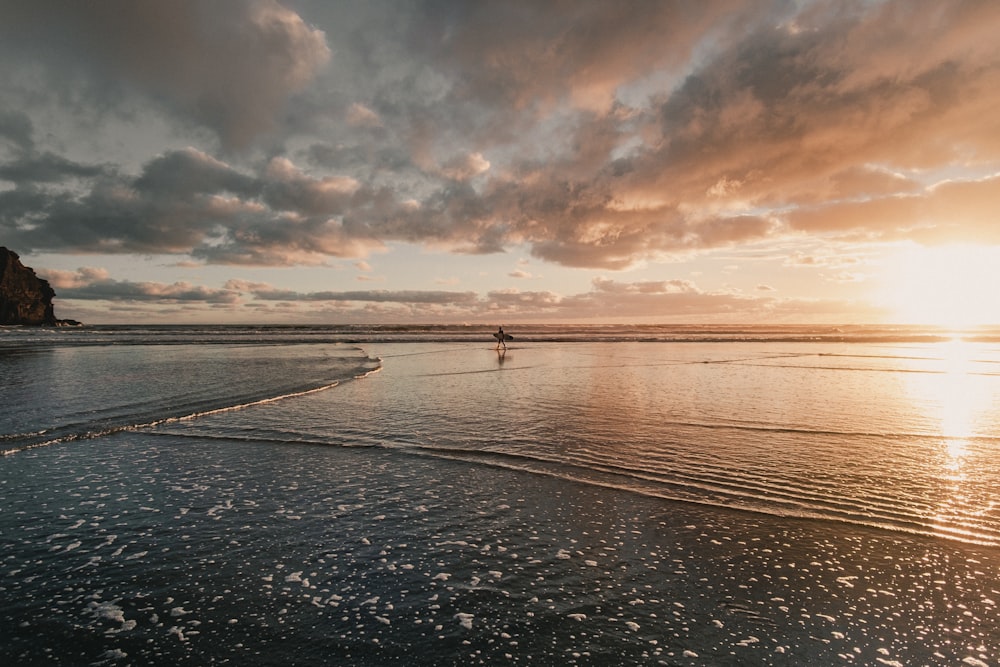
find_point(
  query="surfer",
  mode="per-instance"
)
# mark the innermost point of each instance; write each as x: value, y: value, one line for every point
x: 501, y: 336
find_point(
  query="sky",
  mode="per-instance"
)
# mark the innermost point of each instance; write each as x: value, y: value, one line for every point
x: 751, y: 161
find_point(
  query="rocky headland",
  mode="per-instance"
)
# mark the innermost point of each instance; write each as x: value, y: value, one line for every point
x: 25, y: 299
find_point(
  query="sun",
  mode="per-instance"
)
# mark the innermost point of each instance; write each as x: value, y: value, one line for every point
x: 951, y: 286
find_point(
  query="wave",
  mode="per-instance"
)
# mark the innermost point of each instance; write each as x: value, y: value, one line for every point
x: 20, y: 442
x: 13, y: 338
x: 714, y: 486
x: 737, y: 492
x: 732, y: 494
x: 144, y: 387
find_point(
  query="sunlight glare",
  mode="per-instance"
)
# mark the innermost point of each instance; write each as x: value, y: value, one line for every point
x: 960, y: 403
x: 948, y: 286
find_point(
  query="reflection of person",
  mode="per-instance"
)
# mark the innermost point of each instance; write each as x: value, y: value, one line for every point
x: 500, y: 339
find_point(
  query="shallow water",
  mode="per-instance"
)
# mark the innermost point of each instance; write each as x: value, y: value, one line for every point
x: 904, y: 438
x: 729, y: 503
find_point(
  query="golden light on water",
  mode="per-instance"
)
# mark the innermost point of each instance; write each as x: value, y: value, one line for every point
x: 961, y: 401
x: 958, y: 403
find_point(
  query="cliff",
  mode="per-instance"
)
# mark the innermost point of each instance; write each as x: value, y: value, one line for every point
x: 24, y: 297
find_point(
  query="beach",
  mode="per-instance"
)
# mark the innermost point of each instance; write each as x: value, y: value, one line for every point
x: 723, y: 502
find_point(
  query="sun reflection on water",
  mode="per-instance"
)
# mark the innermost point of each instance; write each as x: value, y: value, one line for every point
x: 957, y: 406
x: 960, y: 405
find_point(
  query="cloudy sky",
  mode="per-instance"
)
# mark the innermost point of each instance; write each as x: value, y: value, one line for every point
x: 454, y: 161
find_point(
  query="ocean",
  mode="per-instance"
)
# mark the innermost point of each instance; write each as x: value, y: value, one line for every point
x: 593, y: 495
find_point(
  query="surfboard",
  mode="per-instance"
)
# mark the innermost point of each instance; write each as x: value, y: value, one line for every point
x: 505, y: 336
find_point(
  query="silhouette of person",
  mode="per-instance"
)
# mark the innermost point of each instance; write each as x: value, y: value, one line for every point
x: 500, y: 339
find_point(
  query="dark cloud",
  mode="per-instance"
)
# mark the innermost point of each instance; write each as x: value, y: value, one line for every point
x: 17, y: 129
x: 527, y: 55
x: 183, y: 202
x: 88, y: 284
x: 189, y: 172
x: 46, y: 168
x: 288, y: 188
x: 230, y: 67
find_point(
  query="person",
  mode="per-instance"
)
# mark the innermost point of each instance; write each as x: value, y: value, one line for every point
x: 500, y: 338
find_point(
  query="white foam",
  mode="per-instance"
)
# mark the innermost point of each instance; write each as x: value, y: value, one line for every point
x: 465, y: 620
x: 108, y: 611
x: 114, y: 654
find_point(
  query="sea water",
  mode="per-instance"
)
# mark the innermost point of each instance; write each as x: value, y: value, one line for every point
x: 591, y: 496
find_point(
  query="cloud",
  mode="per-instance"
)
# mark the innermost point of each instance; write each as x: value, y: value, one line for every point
x: 592, y: 134
x: 359, y: 114
x: 171, y: 208
x: 268, y: 293
x: 464, y: 167
x: 947, y: 211
x: 189, y: 171
x: 16, y: 128
x: 674, y: 300
x: 82, y: 277
x: 288, y: 188
x: 229, y: 67
x: 46, y: 168
x: 91, y: 284
x: 184, y: 202
x: 534, y: 55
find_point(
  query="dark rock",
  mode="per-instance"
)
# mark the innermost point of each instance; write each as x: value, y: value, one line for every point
x: 24, y: 297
